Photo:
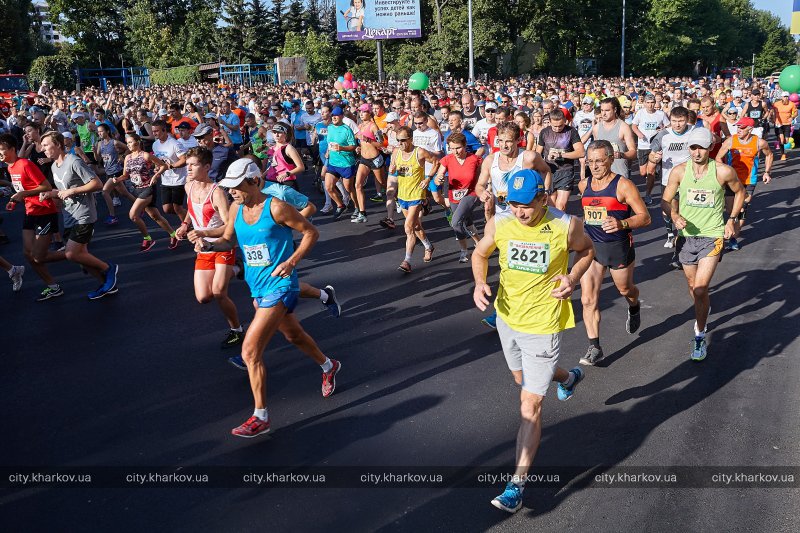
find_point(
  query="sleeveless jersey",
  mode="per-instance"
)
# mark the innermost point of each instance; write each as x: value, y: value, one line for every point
x: 702, y: 203
x: 499, y: 178
x: 619, y: 166
x: 598, y: 205
x: 757, y: 113
x: 279, y: 164
x: 265, y: 245
x: 140, y: 171
x: 744, y: 159
x: 410, y: 174
x: 529, y: 258
x: 110, y: 157
x: 203, y: 214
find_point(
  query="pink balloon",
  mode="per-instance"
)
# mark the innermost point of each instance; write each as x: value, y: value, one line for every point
x: 348, y: 84
x: 338, y: 85
x: 794, y: 98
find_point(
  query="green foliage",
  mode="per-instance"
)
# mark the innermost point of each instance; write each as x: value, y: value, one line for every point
x: 319, y: 51
x: 175, y: 75
x: 19, y: 41
x: 58, y: 70
x: 778, y: 50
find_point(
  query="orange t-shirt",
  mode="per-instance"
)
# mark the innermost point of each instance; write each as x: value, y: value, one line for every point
x: 786, y: 112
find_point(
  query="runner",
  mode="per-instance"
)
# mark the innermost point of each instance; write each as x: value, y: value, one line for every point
x: 429, y: 139
x: 785, y: 112
x: 286, y: 163
x: 461, y: 170
x: 699, y: 184
x: 207, y: 214
x: 108, y: 151
x: 533, y: 305
x: 647, y: 122
x: 173, y: 179
x: 144, y: 169
x: 390, y: 136
x: 614, y: 130
x: 370, y: 139
x: 263, y: 228
x: 408, y: 166
x: 76, y: 183
x: 742, y: 153
x: 612, y: 208
x: 560, y: 145
x: 341, y: 159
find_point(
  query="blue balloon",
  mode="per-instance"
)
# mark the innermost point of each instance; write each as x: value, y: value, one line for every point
x: 340, y: 78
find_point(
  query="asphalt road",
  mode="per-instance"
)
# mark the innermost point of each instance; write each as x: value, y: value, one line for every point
x: 138, y: 380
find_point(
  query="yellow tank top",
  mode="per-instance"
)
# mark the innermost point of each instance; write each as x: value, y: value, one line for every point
x: 529, y: 258
x: 410, y: 174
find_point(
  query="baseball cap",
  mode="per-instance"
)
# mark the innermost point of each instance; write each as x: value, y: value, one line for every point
x: 77, y: 115
x: 279, y: 127
x: 263, y: 111
x: 209, y: 115
x: 238, y: 171
x: 588, y: 100
x: 364, y: 107
x: 746, y: 122
x: 67, y: 135
x: 183, y: 126
x: 785, y: 93
x: 337, y: 111
x: 202, y: 130
x: 491, y: 105
x: 524, y: 185
x: 699, y: 137
x: 163, y: 112
x: 392, y: 117
x: 736, y: 93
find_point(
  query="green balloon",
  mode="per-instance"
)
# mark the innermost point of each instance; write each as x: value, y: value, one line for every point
x: 790, y: 79
x: 419, y: 81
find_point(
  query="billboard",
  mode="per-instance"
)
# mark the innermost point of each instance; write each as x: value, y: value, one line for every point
x: 362, y: 20
x: 795, y: 17
x: 291, y: 69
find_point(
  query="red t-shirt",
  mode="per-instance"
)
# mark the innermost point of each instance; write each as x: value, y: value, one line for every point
x: 461, y: 177
x: 25, y: 175
x: 183, y: 120
x: 491, y: 139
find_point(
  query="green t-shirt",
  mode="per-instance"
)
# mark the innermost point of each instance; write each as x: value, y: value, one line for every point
x: 88, y: 137
x: 342, y: 135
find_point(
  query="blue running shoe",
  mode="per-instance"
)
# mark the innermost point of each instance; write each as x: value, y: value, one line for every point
x: 238, y: 362
x: 490, y: 321
x: 732, y: 245
x: 565, y: 393
x: 699, y: 349
x: 511, y: 499
x: 111, y: 277
x: 332, y: 305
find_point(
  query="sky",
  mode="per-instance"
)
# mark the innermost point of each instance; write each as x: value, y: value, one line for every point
x: 782, y: 8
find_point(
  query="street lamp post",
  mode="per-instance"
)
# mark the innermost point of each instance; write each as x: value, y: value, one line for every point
x: 622, y: 54
x: 471, y: 51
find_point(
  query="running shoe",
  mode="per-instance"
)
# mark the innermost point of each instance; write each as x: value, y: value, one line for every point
x: 354, y: 214
x: 593, y: 356
x: 111, y: 276
x: 783, y: 157
x: 147, y: 244
x: 339, y: 213
x: 378, y: 198
x: 111, y: 221
x: 634, y: 321
x: 405, y: 266
x: 173, y: 243
x: 48, y: 293
x: 732, y: 245
x: 428, y: 257
x: 326, y: 209
x: 332, y: 305
x: 511, y: 499
x: 565, y: 393
x: 116, y: 202
x: 490, y: 321
x: 387, y: 223
x: 329, y: 378
x: 670, y: 241
x: 99, y: 293
x: 360, y: 218
x: 16, y: 277
x: 233, y: 338
x: 253, y: 427
x: 238, y: 362
x: 648, y: 200
x: 699, y: 349
x: 675, y: 265
x: 463, y: 257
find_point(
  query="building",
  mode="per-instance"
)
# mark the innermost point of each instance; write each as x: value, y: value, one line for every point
x: 47, y: 30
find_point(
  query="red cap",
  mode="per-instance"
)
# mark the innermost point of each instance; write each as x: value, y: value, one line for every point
x: 746, y: 122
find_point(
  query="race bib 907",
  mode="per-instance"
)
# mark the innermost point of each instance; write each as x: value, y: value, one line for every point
x: 257, y: 255
x: 533, y: 257
x: 593, y: 215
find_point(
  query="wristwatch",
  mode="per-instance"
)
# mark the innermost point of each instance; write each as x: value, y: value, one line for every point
x: 625, y: 224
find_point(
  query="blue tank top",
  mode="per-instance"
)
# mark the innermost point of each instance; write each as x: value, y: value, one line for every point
x: 598, y: 205
x: 265, y: 245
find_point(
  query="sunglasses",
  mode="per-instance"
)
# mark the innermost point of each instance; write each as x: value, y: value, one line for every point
x: 397, y: 108
x: 404, y: 139
x: 418, y: 123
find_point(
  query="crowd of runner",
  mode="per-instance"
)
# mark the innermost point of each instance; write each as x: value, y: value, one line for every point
x: 221, y: 167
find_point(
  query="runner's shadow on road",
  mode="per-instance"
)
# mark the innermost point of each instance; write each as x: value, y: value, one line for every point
x: 606, y: 439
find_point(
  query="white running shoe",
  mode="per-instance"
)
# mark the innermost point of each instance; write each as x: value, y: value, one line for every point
x: 16, y: 277
x: 670, y: 241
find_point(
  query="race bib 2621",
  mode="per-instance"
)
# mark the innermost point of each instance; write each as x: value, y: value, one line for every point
x: 533, y: 257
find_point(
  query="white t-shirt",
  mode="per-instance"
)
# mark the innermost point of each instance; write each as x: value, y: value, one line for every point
x: 430, y: 141
x: 350, y: 122
x: 649, y: 124
x: 583, y: 122
x: 310, y: 120
x: 481, y: 129
x: 170, y: 151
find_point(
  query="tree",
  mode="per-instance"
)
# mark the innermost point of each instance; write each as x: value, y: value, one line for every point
x: 96, y: 27
x: 16, y: 39
x: 257, y: 45
x: 274, y: 26
x: 147, y: 40
x: 234, y: 15
x: 294, y: 19
x: 58, y: 70
x: 778, y: 49
x: 319, y: 51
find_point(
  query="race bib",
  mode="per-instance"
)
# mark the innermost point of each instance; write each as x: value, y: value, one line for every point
x: 459, y: 194
x: 106, y: 159
x: 533, y: 257
x: 16, y: 182
x: 593, y: 215
x: 257, y: 255
x: 700, y: 198
x: 136, y: 180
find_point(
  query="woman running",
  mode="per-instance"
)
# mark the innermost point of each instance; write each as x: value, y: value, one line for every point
x: 370, y: 137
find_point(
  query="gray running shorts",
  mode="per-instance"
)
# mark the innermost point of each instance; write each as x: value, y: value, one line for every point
x: 692, y: 249
x: 535, y: 355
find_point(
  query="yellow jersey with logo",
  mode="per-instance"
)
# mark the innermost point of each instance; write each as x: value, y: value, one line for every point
x: 530, y: 256
x: 410, y: 174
